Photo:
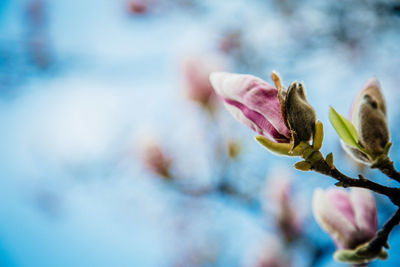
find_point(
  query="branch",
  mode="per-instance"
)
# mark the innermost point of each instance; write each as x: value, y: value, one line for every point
x: 385, y: 165
x: 382, y: 235
x: 318, y: 164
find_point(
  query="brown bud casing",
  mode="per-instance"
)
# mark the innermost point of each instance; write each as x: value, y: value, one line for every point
x: 299, y: 113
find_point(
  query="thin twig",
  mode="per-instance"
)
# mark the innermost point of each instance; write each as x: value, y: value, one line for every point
x: 320, y: 165
x: 382, y: 235
x: 385, y: 165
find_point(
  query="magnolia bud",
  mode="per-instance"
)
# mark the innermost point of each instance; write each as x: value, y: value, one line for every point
x: 154, y: 158
x: 300, y: 114
x: 196, y: 71
x: 350, y: 217
x: 281, y: 203
x: 269, y: 253
x: 139, y: 7
x: 284, y: 119
x: 368, y: 115
x: 371, y: 120
x: 253, y: 102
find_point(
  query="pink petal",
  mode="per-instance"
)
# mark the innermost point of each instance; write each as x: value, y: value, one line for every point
x: 341, y: 200
x: 328, y: 210
x: 256, y: 100
x: 365, y: 211
x: 196, y: 70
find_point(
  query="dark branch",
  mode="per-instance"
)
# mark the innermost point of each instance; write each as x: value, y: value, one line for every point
x: 382, y: 235
x: 320, y: 165
x: 385, y: 165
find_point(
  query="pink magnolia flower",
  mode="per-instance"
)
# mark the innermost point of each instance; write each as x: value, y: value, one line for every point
x: 350, y: 217
x: 277, y: 114
x: 368, y: 114
x: 253, y: 102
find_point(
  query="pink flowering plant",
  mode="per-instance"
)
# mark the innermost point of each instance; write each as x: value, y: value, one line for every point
x: 287, y: 124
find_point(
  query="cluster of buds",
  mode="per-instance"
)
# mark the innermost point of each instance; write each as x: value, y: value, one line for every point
x: 286, y: 123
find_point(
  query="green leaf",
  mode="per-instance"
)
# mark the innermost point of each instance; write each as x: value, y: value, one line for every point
x: 318, y: 135
x: 360, y: 255
x: 329, y: 159
x: 282, y: 148
x: 303, y: 166
x: 277, y: 148
x: 350, y: 256
x: 344, y: 128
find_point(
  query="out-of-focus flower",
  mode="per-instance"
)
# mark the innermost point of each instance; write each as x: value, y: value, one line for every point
x: 350, y: 217
x: 279, y: 115
x: 139, y: 7
x: 368, y: 114
x: 233, y: 148
x: 231, y: 42
x: 267, y: 254
x: 38, y: 44
x: 196, y: 72
x: 278, y: 193
x: 155, y: 159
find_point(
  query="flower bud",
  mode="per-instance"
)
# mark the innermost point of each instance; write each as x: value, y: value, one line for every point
x: 368, y: 114
x: 300, y: 114
x: 279, y: 200
x: 350, y: 217
x: 280, y: 117
x: 196, y: 71
x: 139, y: 7
x: 268, y: 253
x: 253, y: 102
x: 155, y: 159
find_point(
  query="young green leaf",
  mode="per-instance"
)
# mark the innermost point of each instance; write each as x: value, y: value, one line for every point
x: 344, y: 128
x: 277, y: 148
x: 303, y: 166
x: 318, y: 135
x: 329, y: 159
x: 282, y: 148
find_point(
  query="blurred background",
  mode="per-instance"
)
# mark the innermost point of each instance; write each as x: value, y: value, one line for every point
x: 114, y: 151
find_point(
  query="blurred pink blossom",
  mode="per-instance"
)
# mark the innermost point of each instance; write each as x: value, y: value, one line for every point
x: 350, y: 217
x: 196, y: 72
x: 278, y: 195
x: 38, y: 43
x: 268, y: 254
x: 139, y: 7
x: 154, y: 158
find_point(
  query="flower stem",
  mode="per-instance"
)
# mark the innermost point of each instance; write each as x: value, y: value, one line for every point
x: 374, y: 248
